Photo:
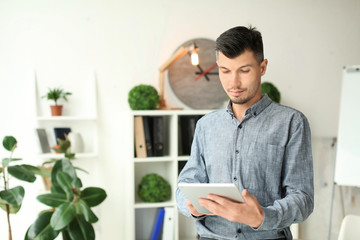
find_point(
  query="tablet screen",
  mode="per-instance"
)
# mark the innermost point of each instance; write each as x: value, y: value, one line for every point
x: 194, y: 191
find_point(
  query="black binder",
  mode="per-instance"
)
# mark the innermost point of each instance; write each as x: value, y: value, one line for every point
x: 147, y: 130
x: 60, y: 133
x: 158, y: 136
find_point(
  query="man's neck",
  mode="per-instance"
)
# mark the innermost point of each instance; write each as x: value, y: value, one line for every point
x: 239, y: 110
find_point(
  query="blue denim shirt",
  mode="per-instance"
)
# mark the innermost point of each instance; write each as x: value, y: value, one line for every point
x: 268, y: 153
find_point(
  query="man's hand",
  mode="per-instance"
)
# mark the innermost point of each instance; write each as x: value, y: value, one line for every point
x: 249, y: 212
x: 193, y: 210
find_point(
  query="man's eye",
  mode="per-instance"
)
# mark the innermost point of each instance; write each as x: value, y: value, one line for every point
x: 225, y: 71
x: 245, y: 70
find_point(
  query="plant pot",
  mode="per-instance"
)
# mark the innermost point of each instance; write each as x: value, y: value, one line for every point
x: 56, y: 110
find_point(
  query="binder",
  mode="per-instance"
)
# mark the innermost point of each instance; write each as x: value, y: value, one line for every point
x: 43, y: 140
x: 188, y: 124
x: 158, y: 136
x: 168, y: 228
x: 158, y: 224
x: 60, y: 133
x: 148, y: 135
x: 139, y: 134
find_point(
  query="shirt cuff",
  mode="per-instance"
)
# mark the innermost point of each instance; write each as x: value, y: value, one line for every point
x: 270, y: 216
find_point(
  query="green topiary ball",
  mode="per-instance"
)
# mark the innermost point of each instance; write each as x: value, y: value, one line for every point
x: 143, y: 97
x: 154, y: 188
x: 270, y: 89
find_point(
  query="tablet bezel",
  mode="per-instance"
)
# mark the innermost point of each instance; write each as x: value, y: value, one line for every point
x: 194, y: 191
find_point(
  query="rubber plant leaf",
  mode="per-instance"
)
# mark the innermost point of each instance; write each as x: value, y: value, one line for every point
x: 21, y: 173
x: 65, y: 182
x: 13, y: 196
x: 41, y: 229
x: 13, y: 209
x: 65, y: 235
x: 38, y: 170
x: 52, y: 199
x: 9, y: 143
x: 80, y: 229
x: 93, y: 196
x: 62, y: 165
x: 6, y: 161
x: 63, y: 216
x: 87, y: 212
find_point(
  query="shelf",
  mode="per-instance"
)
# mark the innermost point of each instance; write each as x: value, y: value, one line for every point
x: 167, y: 166
x: 169, y: 112
x: 66, y: 118
x: 77, y: 155
x: 183, y: 158
x: 154, y: 205
x: 154, y: 159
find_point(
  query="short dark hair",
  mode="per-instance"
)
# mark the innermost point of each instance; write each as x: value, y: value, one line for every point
x: 235, y: 41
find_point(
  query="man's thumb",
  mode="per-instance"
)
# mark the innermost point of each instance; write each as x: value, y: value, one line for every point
x: 245, y: 194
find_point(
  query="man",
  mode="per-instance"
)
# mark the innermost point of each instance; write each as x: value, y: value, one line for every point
x: 261, y: 146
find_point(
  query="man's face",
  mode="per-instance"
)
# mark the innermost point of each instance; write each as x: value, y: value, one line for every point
x: 241, y: 77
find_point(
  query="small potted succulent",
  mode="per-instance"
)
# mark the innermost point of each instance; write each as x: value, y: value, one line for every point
x: 55, y: 94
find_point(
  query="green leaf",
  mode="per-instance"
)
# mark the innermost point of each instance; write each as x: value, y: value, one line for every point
x: 21, y: 173
x: 93, y: 196
x: 52, y: 199
x: 78, y: 183
x: 62, y: 216
x: 87, y: 212
x: 41, y: 229
x: 70, y: 155
x: 6, y: 161
x: 9, y: 143
x: 13, y: 196
x: 83, y: 170
x: 65, y: 234
x: 62, y: 165
x: 13, y: 209
x: 80, y: 229
x: 65, y: 182
x: 38, y: 170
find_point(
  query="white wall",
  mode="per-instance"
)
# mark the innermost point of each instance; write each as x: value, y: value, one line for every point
x: 306, y: 42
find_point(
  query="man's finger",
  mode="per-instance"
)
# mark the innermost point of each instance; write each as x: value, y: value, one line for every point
x: 192, y: 209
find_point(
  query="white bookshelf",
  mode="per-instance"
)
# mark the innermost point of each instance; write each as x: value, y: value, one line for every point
x: 143, y: 213
x: 80, y: 114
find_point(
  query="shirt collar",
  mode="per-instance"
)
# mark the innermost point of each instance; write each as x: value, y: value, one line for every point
x: 255, y: 109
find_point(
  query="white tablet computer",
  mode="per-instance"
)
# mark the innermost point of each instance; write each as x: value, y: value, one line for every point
x: 194, y: 191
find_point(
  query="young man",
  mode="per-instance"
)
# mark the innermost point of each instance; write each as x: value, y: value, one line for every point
x: 261, y: 146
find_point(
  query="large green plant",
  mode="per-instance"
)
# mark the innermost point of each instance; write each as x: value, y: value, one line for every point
x: 11, y: 198
x: 70, y: 212
x: 55, y: 94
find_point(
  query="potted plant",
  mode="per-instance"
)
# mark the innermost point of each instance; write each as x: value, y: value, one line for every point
x: 272, y: 91
x: 143, y: 97
x: 55, y: 94
x: 70, y: 213
x: 11, y: 198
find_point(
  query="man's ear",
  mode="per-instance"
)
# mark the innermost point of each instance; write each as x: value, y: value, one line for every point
x: 263, y: 66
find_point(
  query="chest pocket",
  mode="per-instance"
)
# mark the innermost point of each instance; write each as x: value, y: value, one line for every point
x: 261, y: 170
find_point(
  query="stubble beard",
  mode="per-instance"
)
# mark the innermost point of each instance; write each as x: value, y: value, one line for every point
x: 247, y: 98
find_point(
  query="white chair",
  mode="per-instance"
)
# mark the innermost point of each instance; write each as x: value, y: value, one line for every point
x: 350, y: 228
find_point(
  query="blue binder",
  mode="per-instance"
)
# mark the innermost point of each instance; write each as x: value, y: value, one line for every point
x: 158, y: 224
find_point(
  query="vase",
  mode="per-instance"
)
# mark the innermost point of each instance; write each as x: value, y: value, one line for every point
x: 77, y: 143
